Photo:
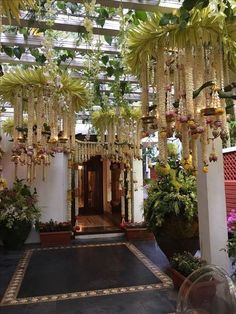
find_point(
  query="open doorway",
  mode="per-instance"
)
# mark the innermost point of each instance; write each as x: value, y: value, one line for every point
x: 92, y: 216
x: 91, y: 187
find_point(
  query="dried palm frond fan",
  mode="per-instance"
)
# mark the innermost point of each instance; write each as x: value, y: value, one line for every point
x: 188, y: 65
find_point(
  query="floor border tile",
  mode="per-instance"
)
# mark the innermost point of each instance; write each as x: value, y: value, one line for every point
x: 10, y: 296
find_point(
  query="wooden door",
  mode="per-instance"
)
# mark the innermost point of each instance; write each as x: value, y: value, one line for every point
x: 93, y: 187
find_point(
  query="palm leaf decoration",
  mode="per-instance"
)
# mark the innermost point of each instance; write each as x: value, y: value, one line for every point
x: 20, y: 78
x: 11, y: 8
x: 109, y: 115
x: 204, y: 26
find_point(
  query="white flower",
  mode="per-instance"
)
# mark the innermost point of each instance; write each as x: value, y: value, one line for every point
x: 88, y: 25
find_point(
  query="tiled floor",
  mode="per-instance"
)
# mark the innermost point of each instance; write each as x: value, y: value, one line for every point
x: 87, y: 278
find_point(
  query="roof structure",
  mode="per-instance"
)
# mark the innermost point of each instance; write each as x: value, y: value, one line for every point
x: 68, y: 27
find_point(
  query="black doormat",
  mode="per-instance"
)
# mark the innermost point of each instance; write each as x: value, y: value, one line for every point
x: 53, y: 274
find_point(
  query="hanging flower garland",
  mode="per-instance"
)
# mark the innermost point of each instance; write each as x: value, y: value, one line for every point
x: 50, y: 104
x: 190, y: 99
x: 120, y: 134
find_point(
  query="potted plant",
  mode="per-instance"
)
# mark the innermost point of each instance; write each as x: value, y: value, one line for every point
x: 182, y: 265
x: 18, y: 212
x: 200, y: 287
x: 53, y: 233
x: 170, y: 209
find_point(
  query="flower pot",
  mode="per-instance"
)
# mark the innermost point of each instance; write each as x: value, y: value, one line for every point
x: 202, y: 291
x: 138, y: 234
x: 176, y: 277
x: 14, y: 238
x: 57, y: 238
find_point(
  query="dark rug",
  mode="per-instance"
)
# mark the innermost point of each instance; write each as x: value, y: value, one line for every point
x: 82, y: 271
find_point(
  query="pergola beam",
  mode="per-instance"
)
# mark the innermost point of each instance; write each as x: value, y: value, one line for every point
x: 67, y: 24
x: 140, y: 5
x: 37, y: 42
x: 76, y: 63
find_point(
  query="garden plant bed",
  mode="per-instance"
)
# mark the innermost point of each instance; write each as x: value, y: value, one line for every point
x: 56, y: 238
x: 138, y: 233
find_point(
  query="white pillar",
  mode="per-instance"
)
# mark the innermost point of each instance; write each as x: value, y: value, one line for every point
x: 138, y: 194
x: 212, y: 211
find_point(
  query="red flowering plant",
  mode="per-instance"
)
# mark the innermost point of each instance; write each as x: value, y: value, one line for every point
x: 54, y: 226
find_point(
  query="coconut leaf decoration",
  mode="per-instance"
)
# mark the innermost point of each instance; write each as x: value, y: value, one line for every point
x: 186, y: 57
x: 11, y: 8
x: 20, y: 78
x: 206, y: 26
x: 44, y: 111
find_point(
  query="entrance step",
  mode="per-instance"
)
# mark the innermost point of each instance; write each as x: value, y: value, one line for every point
x: 117, y: 236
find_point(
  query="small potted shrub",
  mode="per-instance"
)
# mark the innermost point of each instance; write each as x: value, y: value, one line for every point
x: 201, y: 286
x: 55, y: 233
x: 182, y: 265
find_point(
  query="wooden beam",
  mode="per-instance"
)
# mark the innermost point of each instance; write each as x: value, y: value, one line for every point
x: 140, y: 5
x: 67, y: 24
x: 76, y: 63
x: 36, y: 42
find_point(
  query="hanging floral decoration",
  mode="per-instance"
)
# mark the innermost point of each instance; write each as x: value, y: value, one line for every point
x: 119, y: 133
x: 118, y: 137
x: 188, y: 63
x: 47, y: 104
x: 89, y: 6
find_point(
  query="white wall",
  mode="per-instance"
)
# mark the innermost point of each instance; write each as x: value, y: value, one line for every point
x: 138, y: 195
x: 52, y: 192
x: 212, y: 211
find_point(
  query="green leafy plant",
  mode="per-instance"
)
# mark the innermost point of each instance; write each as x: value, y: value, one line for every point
x: 232, y: 130
x: 231, y: 249
x: 231, y: 246
x: 185, y: 263
x: 54, y: 226
x: 18, y: 204
x: 171, y: 205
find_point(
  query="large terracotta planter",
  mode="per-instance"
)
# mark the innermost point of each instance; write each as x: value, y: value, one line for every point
x: 170, y: 245
x: 58, y: 238
x: 178, y: 235
x: 138, y: 234
x: 14, y: 238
